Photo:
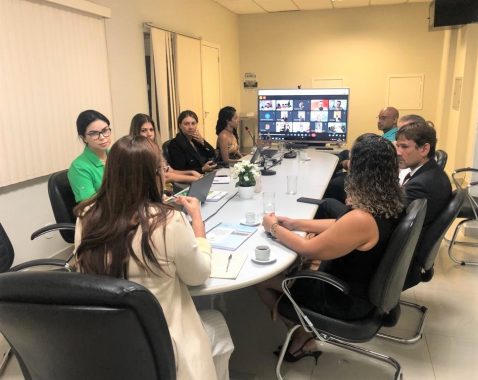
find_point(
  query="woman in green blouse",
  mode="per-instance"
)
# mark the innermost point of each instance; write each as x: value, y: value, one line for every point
x: 86, y: 171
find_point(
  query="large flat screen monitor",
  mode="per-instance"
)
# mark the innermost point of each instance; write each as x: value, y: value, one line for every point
x: 313, y: 116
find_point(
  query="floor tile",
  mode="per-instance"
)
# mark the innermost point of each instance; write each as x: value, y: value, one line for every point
x: 453, y: 358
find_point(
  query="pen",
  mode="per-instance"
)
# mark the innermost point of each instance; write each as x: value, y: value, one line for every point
x: 228, y: 261
x: 222, y: 175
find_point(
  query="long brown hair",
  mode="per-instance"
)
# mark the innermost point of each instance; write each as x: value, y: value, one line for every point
x: 130, y: 196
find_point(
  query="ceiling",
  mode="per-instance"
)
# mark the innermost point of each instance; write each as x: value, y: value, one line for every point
x: 271, y: 6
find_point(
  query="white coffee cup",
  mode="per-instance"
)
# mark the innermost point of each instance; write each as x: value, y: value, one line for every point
x: 263, y: 253
x: 250, y: 217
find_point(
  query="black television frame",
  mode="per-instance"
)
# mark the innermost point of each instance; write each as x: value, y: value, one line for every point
x: 308, y: 116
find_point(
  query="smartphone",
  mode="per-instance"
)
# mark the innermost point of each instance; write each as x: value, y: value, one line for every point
x: 313, y: 201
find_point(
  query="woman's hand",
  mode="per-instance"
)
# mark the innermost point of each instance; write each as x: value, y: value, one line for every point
x: 268, y: 220
x: 197, y: 137
x: 209, y: 166
x: 286, y: 222
x: 191, y: 204
x: 193, y: 208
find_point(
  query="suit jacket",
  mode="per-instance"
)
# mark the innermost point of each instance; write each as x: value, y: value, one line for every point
x: 430, y: 182
x: 182, y: 156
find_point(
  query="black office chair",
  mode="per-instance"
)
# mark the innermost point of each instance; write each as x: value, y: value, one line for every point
x: 75, y: 326
x: 62, y: 202
x: 384, y: 292
x: 421, y: 268
x: 464, y: 180
x: 7, y: 255
x: 441, y: 157
x: 166, y: 150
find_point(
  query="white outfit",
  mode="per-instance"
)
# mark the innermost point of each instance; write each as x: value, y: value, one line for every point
x: 185, y: 260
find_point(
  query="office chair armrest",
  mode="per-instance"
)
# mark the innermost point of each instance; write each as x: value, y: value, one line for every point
x: 320, y: 276
x: 465, y: 170
x: 52, y: 227
x: 40, y: 262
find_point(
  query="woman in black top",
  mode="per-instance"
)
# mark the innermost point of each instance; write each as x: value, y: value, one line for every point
x: 350, y: 247
x: 188, y: 150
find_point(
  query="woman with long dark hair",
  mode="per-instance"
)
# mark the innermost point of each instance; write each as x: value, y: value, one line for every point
x: 227, y: 137
x: 143, y: 125
x: 126, y: 231
x: 86, y: 171
x: 350, y: 247
x: 189, y: 150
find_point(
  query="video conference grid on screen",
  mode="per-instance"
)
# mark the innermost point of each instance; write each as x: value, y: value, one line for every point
x: 309, y: 115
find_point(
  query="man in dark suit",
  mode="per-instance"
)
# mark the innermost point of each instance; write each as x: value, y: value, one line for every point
x: 416, y: 144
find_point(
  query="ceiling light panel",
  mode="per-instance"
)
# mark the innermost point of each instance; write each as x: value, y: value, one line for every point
x: 241, y: 6
x: 314, y: 4
x: 277, y: 5
x: 351, y: 3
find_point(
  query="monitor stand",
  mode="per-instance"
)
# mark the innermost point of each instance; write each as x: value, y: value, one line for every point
x: 321, y: 146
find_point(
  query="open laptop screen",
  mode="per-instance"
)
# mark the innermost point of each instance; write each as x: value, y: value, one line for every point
x: 200, y: 188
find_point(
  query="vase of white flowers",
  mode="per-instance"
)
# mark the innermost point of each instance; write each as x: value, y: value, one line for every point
x: 246, y: 174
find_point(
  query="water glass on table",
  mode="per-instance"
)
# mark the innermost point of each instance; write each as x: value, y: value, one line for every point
x: 269, y: 202
x: 292, y: 184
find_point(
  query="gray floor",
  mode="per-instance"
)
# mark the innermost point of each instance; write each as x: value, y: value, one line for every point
x: 445, y: 352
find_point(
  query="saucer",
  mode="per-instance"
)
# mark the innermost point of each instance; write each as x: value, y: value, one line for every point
x: 256, y: 223
x: 272, y: 259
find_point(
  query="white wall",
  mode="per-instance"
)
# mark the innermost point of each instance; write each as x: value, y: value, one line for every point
x: 24, y: 208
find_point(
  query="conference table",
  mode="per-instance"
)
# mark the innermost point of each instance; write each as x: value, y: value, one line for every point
x: 313, y: 175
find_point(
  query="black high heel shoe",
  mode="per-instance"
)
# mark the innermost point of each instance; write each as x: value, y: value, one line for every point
x: 299, y: 354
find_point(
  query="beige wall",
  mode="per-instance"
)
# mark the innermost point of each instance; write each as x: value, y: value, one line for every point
x: 459, y: 126
x: 362, y: 45
x: 202, y: 18
x: 24, y: 207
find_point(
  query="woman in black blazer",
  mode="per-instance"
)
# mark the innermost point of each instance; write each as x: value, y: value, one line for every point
x: 188, y: 150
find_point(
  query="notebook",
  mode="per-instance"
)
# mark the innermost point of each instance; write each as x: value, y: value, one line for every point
x: 227, y: 264
x: 200, y: 188
x: 229, y: 236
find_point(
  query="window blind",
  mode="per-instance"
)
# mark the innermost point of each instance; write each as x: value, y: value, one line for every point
x: 53, y: 65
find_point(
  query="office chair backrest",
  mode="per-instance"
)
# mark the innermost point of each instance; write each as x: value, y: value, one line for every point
x: 62, y: 202
x: 75, y: 326
x: 166, y: 150
x: 387, y: 283
x: 7, y: 253
x: 465, y: 179
x: 441, y: 157
x: 429, y: 245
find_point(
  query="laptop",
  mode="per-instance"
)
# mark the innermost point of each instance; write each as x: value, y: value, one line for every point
x: 256, y: 156
x: 199, y: 189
